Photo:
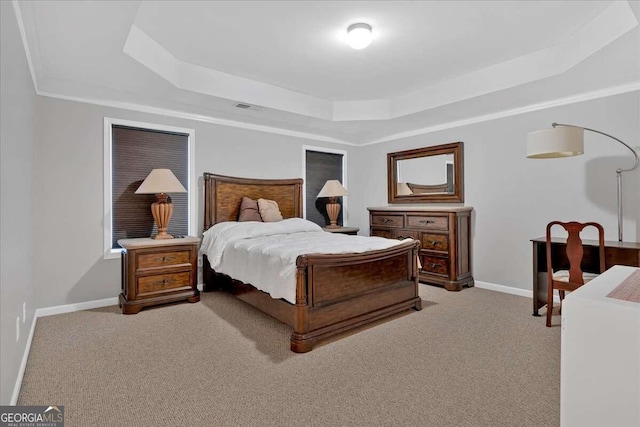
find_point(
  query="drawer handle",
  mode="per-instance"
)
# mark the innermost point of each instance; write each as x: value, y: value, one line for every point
x: 386, y: 220
x: 404, y: 237
x: 165, y: 258
x: 164, y: 282
x: 434, y: 265
x: 434, y: 242
x: 426, y: 221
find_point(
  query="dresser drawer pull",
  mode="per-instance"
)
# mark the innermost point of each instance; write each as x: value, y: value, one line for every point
x: 387, y: 220
x: 426, y: 221
x: 164, y: 282
x: 404, y: 237
x: 434, y: 265
x: 165, y: 258
x: 434, y: 242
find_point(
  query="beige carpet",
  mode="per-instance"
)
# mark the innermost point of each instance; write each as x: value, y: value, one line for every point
x: 470, y: 358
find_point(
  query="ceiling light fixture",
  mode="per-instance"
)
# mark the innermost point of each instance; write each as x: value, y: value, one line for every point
x: 359, y: 35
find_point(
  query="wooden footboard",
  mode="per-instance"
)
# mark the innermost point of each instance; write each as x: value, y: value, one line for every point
x: 337, y: 293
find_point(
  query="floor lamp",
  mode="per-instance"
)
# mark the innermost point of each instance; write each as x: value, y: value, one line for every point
x: 568, y: 140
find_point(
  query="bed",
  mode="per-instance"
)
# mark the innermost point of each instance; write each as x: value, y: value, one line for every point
x: 334, y: 293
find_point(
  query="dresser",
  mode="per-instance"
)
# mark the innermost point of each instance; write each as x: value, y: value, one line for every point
x: 444, y: 234
x: 157, y: 272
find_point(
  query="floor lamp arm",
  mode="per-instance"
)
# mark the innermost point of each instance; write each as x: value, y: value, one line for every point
x: 635, y: 155
x: 618, y: 171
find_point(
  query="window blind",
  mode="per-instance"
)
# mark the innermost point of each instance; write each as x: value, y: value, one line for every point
x: 134, y: 153
x: 321, y: 167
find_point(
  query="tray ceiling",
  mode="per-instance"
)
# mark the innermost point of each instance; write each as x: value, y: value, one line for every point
x: 430, y: 63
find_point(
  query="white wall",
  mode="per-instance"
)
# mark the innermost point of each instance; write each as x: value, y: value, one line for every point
x: 515, y: 197
x: 17, y: 167
x: 69, y: 265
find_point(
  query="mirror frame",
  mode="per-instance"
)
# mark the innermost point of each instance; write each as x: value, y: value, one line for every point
x: 455, y: 148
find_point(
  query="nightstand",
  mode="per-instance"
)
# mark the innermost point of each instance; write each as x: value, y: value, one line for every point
x: 343, y: 230
x: 157, y: 272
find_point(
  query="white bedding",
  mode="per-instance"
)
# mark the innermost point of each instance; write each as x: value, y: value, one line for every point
x: 264, y: 254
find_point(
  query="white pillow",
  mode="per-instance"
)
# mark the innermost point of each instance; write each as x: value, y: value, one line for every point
x: 269, y: 210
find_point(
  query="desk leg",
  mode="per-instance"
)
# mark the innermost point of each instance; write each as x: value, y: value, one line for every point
x: 536, y: 282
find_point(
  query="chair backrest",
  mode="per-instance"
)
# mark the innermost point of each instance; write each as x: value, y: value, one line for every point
x: 575, y: 251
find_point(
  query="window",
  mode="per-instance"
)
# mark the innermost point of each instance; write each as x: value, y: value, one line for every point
x: 132, y: 150
x: 320, y: 165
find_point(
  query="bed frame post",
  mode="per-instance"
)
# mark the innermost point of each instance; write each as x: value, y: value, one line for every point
x: 415, y: 253
x: 298, y: 342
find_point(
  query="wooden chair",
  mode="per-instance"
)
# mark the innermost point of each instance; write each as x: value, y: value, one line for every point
x: 572, y: 279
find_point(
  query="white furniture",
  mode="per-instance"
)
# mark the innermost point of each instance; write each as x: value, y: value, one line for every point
x: 600, y: 355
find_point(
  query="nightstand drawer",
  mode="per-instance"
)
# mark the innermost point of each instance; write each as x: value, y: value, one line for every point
x: 163, y: 259
x: 432, y: 222
x: 163, y: 282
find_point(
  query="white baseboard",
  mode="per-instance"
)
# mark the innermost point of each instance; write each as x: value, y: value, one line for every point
x: 69, y: 308
x: 50, y: 311
x: 23, y: 364
x: 510, y: 290
x: 505, y: 289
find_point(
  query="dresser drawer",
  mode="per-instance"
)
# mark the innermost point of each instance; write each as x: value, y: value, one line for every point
x: 405, y: 234
x: 381, y: 232
x: 435, y: 265
x: 435, y: 242
x: 163, y: 282
x: 389, y: 220
x: 430, y: 222
x: 163, y: 259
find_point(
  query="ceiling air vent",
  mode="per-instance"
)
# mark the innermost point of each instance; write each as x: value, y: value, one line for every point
x: 247, y: 107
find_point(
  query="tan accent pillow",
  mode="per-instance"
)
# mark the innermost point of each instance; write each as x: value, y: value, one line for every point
x: 249, y: 210
x: 269, y: 210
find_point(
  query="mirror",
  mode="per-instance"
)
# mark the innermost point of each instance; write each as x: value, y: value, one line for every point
x: 426, y: 175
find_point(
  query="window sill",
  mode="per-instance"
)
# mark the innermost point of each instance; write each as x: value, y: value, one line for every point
x: 113, y: 254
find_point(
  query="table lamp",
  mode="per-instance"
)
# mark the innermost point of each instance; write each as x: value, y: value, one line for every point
x: 160, y: 182
x: 332, y: 189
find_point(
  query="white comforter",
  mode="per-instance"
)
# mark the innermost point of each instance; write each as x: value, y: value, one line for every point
x: 264, y: 254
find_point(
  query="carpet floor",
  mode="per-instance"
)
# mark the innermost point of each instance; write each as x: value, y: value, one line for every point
x: 469, y: 358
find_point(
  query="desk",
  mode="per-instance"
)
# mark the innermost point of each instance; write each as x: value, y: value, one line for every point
x: 600, y: 350
x: 615, y: 253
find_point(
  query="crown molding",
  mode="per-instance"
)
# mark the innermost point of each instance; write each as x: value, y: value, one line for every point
x: 196, y: 117
x: 588, y: 96
x: 603, y: 93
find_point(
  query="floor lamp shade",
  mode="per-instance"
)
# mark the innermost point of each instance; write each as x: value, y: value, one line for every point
x: 332, y: 189
x: 555, y: 142
x: 161, y: 182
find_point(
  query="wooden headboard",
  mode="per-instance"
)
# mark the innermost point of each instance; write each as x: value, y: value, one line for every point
x: 223, y: 194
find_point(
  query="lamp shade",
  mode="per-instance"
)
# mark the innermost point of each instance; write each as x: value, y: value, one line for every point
x: 559, y: 141
x: 160, y: 181
x: 403, y: 189
x: 333, y: 188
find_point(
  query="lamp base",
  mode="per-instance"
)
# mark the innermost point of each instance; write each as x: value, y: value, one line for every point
x: 161, y: 236
x: 162, y: 211
x: 333, y: 209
